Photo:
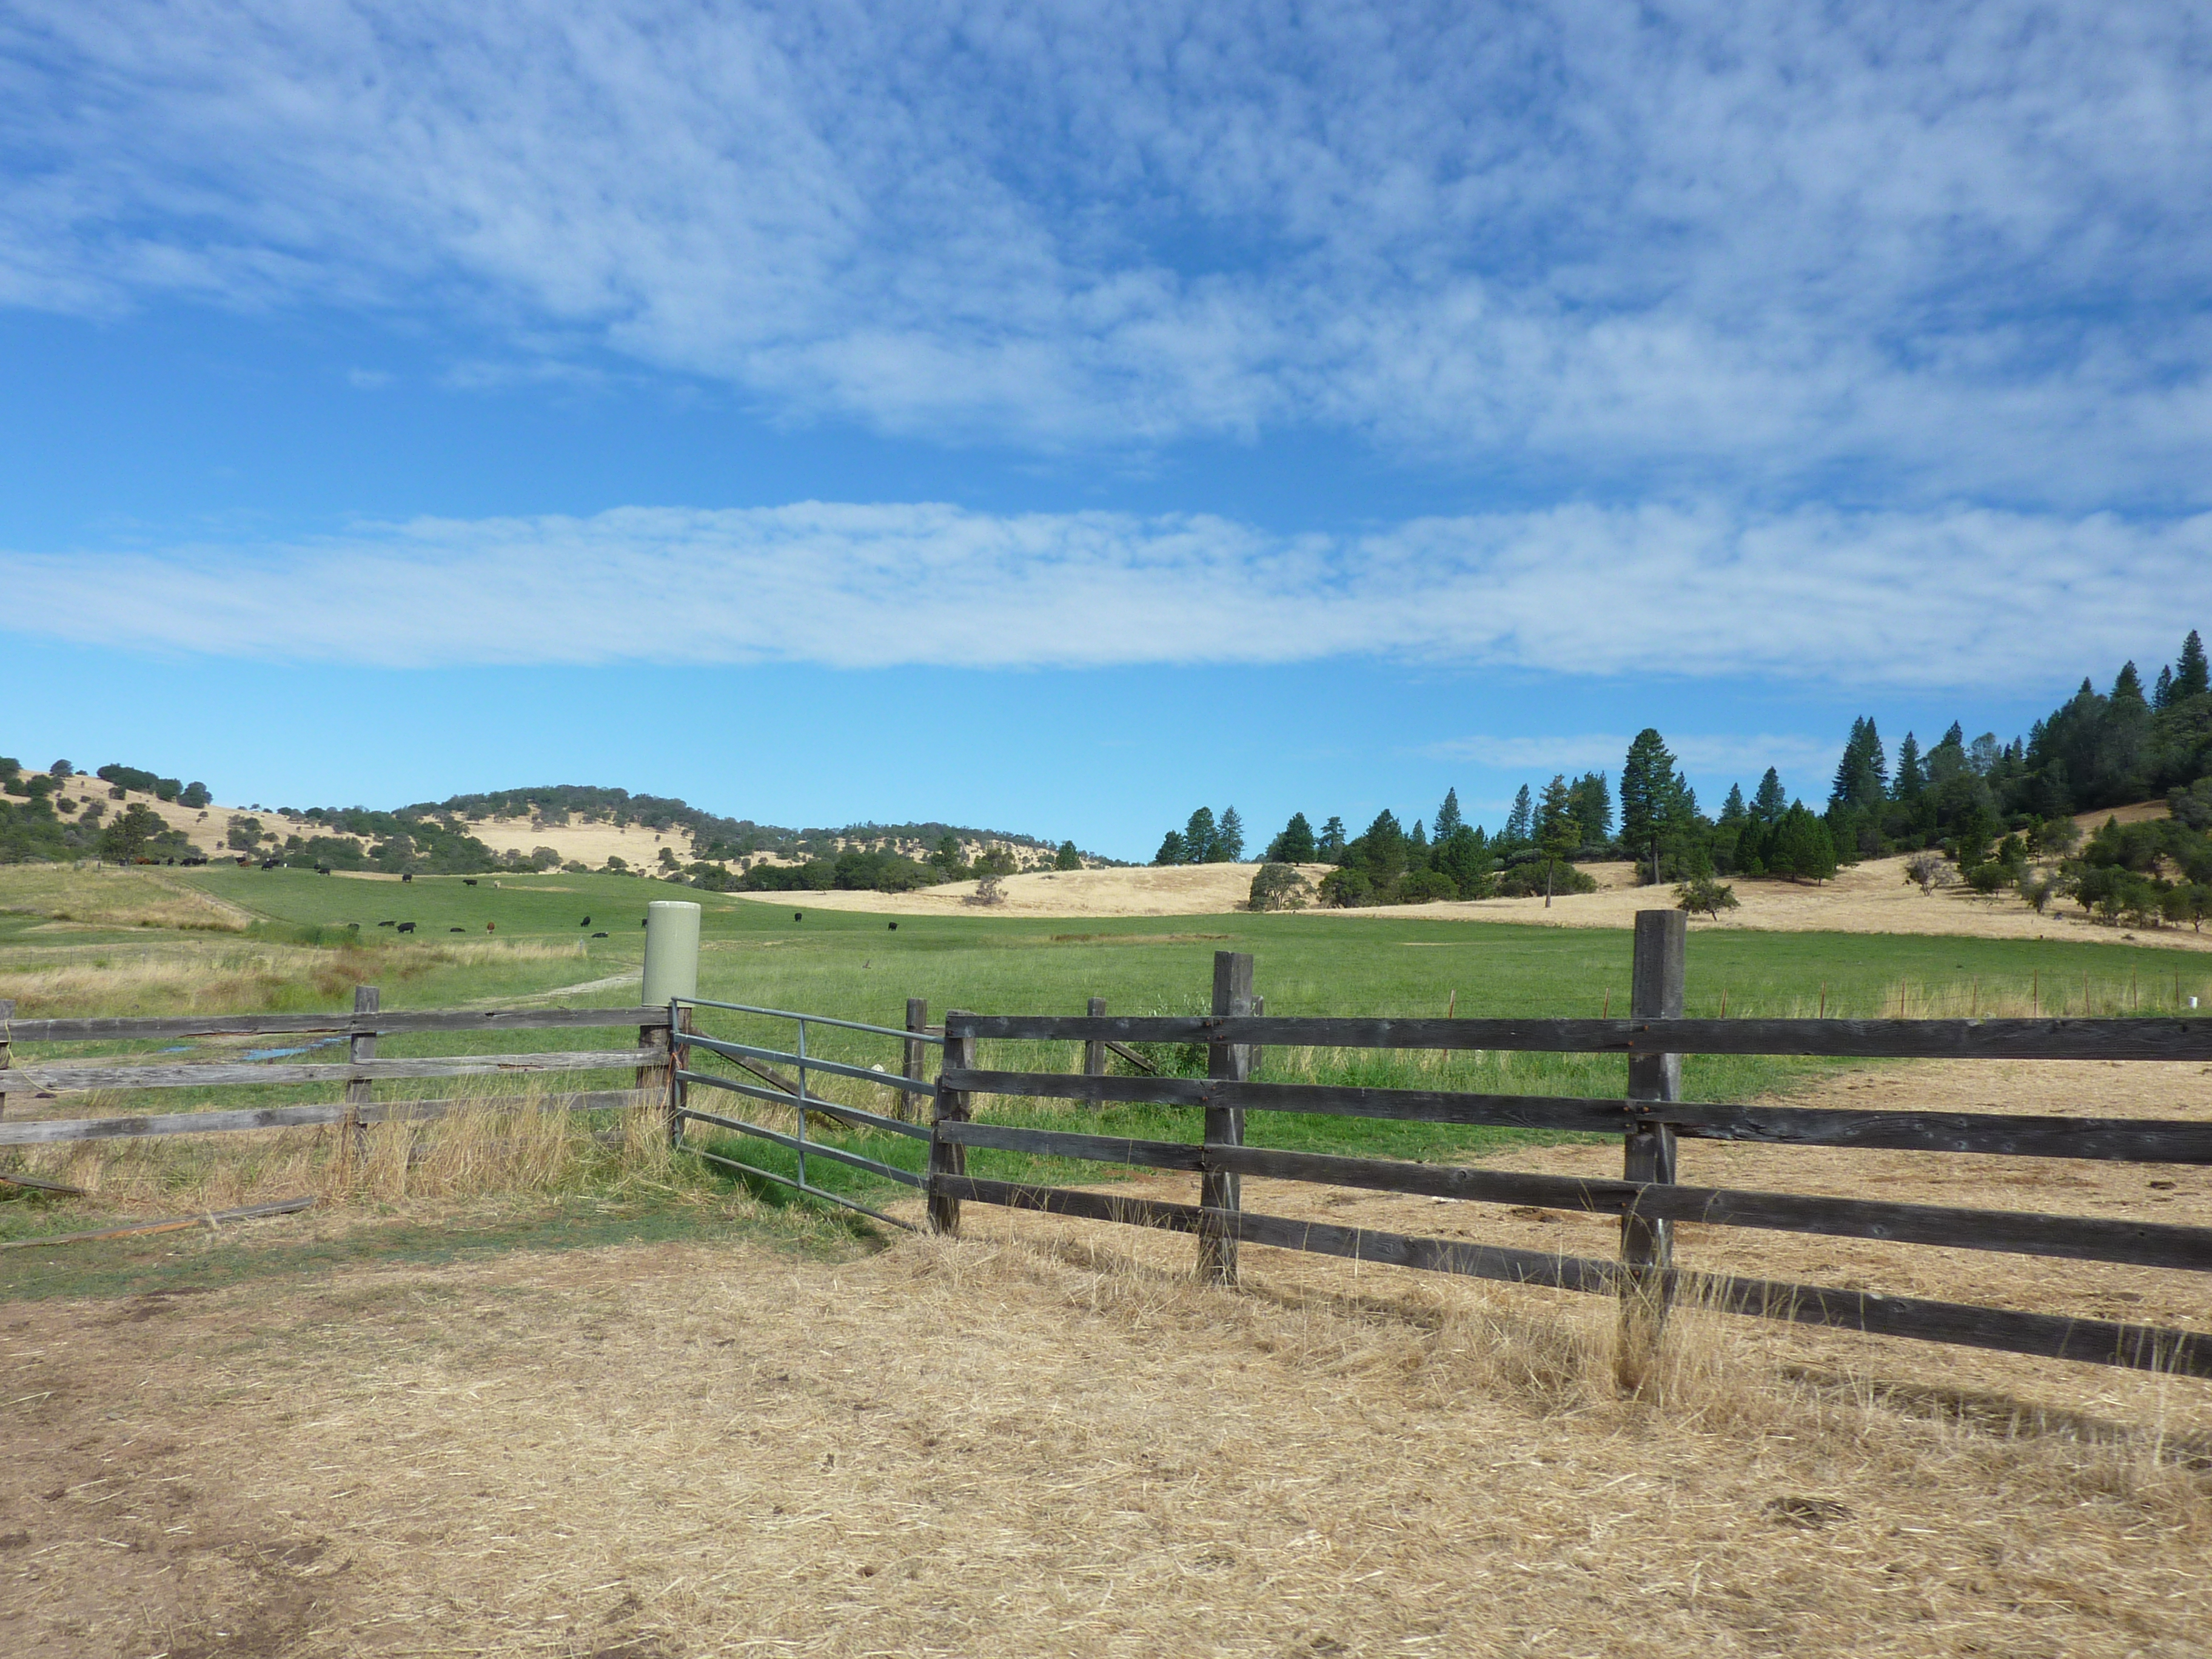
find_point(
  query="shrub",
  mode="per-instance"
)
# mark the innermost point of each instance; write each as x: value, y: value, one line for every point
x: 1346, y: 889
x: 1703, y: 895
x: 1420, y: 886
x: 1280, y: 887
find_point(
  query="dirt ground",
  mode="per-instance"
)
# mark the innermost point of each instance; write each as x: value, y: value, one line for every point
x: 1045, y: 1438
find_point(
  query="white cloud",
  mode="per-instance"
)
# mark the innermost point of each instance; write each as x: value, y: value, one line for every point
x: 1933, y: 251
x: 1963, y: 597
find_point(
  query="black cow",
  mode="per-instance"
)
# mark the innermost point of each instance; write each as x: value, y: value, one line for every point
x: 600, y: 935
x: 270, y: 864
x: 322, y: 869
x: 408, y: 876
x: 457, y: 930
x: 894, y: 927
x: 384, y: 923
x: 406, y: 926
x: 798, y: 915
x: 468, y: 881
x: 585, y: 922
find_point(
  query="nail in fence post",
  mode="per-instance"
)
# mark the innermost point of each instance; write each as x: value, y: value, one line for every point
x: 917, y: 1056
x: 8, y: 1012
x: 1219, y: 1190
x: 945, y: 1158
x: 1094, y: 1052
x: 1647, y: 1246
x: 355, y: 1134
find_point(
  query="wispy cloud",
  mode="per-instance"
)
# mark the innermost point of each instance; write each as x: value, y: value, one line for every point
x: 1934, y: 252
x: 1868, y: 599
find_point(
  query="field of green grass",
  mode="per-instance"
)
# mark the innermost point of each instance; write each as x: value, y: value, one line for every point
x: 299, y: 941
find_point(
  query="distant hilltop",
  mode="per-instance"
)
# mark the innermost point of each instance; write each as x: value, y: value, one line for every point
x: 123, y: 814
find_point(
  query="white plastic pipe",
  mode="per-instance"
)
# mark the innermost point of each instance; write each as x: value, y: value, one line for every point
x: 672, y: 951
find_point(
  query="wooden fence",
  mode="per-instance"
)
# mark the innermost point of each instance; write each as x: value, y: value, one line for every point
x: 359, y: 1071
x: 1651, y: 1118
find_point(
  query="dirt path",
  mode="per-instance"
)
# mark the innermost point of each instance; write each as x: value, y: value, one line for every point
x: 1045, y: 1439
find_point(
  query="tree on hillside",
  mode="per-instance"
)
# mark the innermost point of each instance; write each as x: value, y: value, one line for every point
x: 2192, y: 676
x: 1229, y: 839
x: 1733, y: 811
x: 1771, y: 801
x: 1448, y: 817
x: 1329, y: 849
x: 1862, y: 773
x: 1383, y: 850
x: 126, y: 839
x: 1558, y: 831
x: 1654, y: 802
x: 1802, y: 846
x: 1464, y: 858
x: 1593, y: 808
x: 1520, y: 822
x: 1198, y: 837
x: 1295, y: 845
x: 1912, y: 777
x: 1067, y: 857
x: 1172, y: 849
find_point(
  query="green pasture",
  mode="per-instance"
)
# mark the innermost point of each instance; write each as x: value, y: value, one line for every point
x: 856, y: 966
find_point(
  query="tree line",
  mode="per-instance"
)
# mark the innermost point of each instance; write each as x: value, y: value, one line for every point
x: 1985, y: 810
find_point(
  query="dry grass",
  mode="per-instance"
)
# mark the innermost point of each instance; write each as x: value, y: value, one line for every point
x: 1043, y: 1439
x: 117, y: 898
x: 237, y: 979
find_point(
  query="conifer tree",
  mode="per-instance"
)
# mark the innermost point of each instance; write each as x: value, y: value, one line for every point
x: 1770, y: 803
x: 1593, y: 807
x: 1732, y: 809
x: 1172, y: 850
x: 1448, y: 817
x: 1229, y: 839
x: 1329, y: 849
x: 1912, y: 776
x: 2128, y: 688
x: 1520, y: 822
x: 1296, y: 843
x: 2162, y: 696
x: 1558, y: 831
x: 2192, y: 676
x: 1198, y: 837
x: 1651, y: 798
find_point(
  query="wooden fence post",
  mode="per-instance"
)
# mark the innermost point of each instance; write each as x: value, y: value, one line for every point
x: 652, y: 1078
x: 7, y: 1013
x: 1094, y: 1052
x: 917, y: 1057
x: 1647, y: 1244
x: 679, y: 1091
x: 946, y: 1156
x: 1218, y: 1189
x: 354, y: 1134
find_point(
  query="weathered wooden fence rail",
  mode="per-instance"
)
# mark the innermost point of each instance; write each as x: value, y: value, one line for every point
x: 1649, y: 1116
x: 647, y: 1062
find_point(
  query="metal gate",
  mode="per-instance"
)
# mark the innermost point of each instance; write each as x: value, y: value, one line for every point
x: 796, y: 1092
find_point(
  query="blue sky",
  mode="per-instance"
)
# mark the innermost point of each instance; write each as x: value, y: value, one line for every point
x: 1056, y: 419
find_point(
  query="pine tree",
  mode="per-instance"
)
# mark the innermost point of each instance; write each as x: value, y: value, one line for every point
x: 2192, y: 676
x: 1172, y: 849
x: 1912, y: 776
x: 1296, y: 844
x: 1520, y: 821
x: 1733, y: 810
x: 1558, y: 831
x: 1198, y: 837
x: 1067, y: 857
x: 1649, y: 797
x: 2128, y: 688
x: 1770, y: 803
x: 1229, y: 839
x: 1593, y: 808
x: 1448, y: 817
x: 2161, y: 695
x: 1329, y: 849
x: 1383, y: 849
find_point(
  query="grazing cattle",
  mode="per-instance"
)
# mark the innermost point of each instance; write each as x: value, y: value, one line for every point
x: 468, y: 881
x: 585, y: 922
x: 491, y: 927
x: 894, y: 927
x: 600, y: 935
x: 798, y: 915
x: 384, y: 923
x: 408, y: 876
x: 270, y: 864
x: 457, y: 930
x: 322, y: 869
x: 406, y: 926
x: 243, y: 862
